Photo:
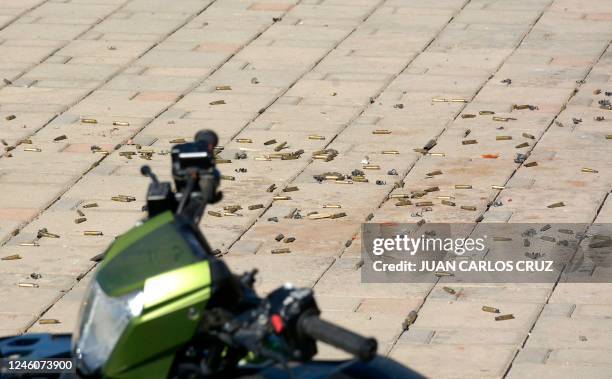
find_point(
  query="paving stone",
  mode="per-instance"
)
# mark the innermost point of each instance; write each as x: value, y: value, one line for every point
x: 340, y: 69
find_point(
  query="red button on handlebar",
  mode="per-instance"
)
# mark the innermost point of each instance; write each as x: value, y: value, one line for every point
x: 277, y: 323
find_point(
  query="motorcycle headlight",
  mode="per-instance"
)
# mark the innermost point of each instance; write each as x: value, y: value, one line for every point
x: 102, y: 321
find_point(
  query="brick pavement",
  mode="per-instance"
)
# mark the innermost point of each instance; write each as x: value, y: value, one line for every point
x: 148, y: 72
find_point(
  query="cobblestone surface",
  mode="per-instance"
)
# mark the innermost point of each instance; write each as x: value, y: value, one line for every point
x: 148, y: 72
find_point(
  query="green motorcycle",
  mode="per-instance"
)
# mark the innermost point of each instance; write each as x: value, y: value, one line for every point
x: 162, y: 306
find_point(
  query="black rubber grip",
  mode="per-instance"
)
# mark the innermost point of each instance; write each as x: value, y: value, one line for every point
x: 361, y: 347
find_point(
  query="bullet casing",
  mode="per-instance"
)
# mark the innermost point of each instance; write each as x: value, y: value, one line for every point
x: 490, y: 309
x: 92, y: 233
x: 281, y: 251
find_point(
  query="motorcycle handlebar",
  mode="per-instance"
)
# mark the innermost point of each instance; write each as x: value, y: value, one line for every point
x: 320, y: 330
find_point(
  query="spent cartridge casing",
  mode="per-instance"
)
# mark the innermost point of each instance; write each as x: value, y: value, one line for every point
x: 28, y: 285
x: 556, y: 205
x: 440, y: 274
x: 92, y: 233
x: 275, y: 198
x: 360, y: 179
x: 410, y: 319
x: 44, y: 233
x: 48, y: 321
x: 13, y: 257
x: 280, y: 146
x: 319, y: 216
x: 332, y: 206
x: 589, y: 170
x: 281, y: 251
x: 504, y: 119
x: 338, y: 215
x: 490, y: 309
x: 232, y: 208
x: 371, y: 167
x: 123, y: 198
x: 381, y: 131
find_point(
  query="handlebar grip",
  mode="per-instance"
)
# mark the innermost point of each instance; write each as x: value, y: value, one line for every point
x: 361, y: 347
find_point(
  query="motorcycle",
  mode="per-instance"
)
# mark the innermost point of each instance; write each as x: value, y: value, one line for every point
x: 161, y: 305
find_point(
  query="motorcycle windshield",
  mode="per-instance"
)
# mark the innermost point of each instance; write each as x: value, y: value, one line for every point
x: 156, y: 246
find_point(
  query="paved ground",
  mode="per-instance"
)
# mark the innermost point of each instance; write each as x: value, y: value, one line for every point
x: 152, y: 71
